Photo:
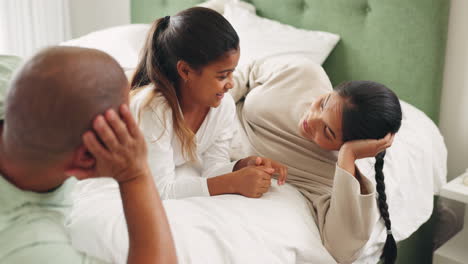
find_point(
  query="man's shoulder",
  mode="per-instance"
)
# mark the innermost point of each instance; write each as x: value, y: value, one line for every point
x: 26, y: 231
x: 47, y: 252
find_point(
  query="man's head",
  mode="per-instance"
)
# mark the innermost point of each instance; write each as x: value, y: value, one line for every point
x: 52, y: 101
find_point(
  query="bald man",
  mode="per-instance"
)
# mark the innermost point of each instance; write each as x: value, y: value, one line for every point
x: 65, y: 116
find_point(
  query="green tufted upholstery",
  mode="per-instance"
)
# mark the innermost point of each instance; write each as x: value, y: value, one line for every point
x: 399, y: 43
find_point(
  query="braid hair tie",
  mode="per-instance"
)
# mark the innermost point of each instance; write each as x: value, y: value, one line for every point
x: 389, y: 232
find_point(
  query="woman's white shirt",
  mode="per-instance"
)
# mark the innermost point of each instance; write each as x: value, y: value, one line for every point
x: 174, y: 175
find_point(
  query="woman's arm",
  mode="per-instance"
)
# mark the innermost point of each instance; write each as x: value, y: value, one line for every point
x: 349, y: 216
x: 346, y: 218
x: 346, y: 161
x: 358, y: 149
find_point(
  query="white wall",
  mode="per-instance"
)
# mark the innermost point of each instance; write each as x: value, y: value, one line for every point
x: 453, y: 121
x: 454, y: 106
x: 3, y: 30
x: 27, y: 26
x: 90, y: 15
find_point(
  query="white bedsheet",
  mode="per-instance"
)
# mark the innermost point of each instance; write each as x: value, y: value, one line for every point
x: 277, y: 228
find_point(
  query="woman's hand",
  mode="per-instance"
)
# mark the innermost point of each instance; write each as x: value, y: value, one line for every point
x: 252, y: 182
x: 359, y: 149
x: 366, y: 148
x: 255, y: 161
x: 122, y: 154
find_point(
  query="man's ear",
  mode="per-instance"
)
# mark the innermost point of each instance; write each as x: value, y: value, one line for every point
x: 184, y: 69
x: 83, y: 164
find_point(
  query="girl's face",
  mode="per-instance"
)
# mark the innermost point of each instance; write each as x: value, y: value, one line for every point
x: 321, y: 123
x: 208, y: 85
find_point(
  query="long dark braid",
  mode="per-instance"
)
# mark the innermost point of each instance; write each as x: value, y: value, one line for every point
x: 371, y: 111
x: 389, y: 253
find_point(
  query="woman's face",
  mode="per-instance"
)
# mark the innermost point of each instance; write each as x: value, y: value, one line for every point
x: 321, y: 123
x: 208, y: 86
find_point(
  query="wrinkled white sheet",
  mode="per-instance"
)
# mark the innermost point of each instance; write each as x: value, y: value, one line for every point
x: 277, y: 228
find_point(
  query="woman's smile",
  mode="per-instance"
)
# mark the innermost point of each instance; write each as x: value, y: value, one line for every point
x: 321, y: 123
x: 306, y: 127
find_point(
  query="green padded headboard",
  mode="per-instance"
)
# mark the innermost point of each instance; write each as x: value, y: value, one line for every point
x: 400, y: 43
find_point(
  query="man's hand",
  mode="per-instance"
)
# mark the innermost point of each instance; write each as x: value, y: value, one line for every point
x: 122, y: 154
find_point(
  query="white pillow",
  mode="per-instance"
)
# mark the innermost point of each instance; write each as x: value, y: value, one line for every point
x: 261, y: 37
x: 122, y: 42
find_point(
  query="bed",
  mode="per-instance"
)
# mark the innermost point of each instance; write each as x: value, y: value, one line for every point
x: 399, y: 43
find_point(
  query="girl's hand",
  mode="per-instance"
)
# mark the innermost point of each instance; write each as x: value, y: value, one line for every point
x: 366, y: 148
x: 255, y: 161
x: 122, y: 154
x: 252, y: 182
x: 279, y: 168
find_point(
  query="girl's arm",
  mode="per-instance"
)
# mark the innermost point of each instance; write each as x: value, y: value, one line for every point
x: 156, y: 126
x: 250, y: 182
